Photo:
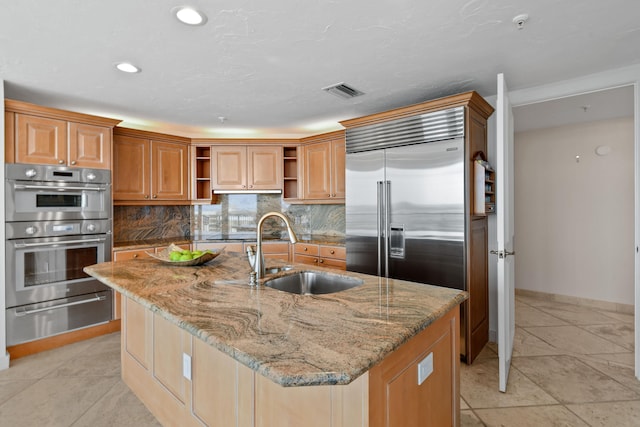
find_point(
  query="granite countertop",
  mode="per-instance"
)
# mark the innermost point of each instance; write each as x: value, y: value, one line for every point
x: 294, y: 340
x: 246, y: 237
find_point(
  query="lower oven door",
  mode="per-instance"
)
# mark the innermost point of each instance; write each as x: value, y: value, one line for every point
x: 50, y: 268
x: 35, y: 321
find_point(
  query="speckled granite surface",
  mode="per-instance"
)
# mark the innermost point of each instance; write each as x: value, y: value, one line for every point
x: 292, y: 339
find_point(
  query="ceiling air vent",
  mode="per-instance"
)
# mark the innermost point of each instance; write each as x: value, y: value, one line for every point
x: 343, y: 91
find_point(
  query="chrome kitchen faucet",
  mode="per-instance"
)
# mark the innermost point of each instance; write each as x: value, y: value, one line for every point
x: 256, y: 259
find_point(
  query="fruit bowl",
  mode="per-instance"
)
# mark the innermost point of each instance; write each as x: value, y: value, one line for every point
x: 164, y: 256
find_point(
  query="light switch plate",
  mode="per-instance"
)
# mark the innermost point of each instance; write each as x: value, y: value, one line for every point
x: 186, y: 366
x: 425, y: 368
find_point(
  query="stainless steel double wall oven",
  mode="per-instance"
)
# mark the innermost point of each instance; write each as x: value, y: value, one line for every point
x: 58, y: 221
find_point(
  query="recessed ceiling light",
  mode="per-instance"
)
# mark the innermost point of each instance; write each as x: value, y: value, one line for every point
x: 189, y: 15
x: 127, y: 67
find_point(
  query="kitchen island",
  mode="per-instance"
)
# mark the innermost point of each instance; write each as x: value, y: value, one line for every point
x: 201, y: 346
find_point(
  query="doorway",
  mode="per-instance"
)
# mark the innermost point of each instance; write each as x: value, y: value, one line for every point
x: 574, y: 202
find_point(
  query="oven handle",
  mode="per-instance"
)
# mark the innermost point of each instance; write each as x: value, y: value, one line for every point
x: 24, y: 312
x: 47, y: 187
x: 65, y: 242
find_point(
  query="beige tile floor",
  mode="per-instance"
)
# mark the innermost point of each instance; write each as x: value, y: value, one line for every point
x: 75, y: 385
x: 572, y: 366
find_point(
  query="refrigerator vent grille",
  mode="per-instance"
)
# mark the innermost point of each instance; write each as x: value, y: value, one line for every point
x: 428, y: 127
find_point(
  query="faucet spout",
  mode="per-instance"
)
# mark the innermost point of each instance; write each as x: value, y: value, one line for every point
x: 257, y: 260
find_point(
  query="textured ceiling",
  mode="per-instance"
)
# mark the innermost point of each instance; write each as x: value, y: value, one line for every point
x: 262, y: 64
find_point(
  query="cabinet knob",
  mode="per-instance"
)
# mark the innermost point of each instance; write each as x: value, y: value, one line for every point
x: 304, y: 249
x: 321, y: 261
x: 315, y: 260
x: 61, y: 162
x: 146, y: 196
x: 155, y: 196
x: 244, y: 186
x: 135, y: 255
x: 332, y: 252
x: 73, y: 162
x: 328, y: 195
x: 251, y: 186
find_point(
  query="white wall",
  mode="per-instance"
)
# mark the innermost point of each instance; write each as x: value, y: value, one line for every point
x: 4, y: 357
x: 575, y: 219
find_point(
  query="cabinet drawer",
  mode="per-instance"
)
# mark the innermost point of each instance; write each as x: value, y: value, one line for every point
x: 305, y: 259
x: 132, y: 254
x: 333, y: 263
x: 338, y: 252
x: 311, y: 250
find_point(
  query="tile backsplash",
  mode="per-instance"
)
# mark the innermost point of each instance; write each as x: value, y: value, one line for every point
x: 235, y: 215
x: 150, y: 222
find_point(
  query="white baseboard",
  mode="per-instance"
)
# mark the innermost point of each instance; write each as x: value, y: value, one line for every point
x: 585, y: 302
x: 4, y: 361
x: 493, y: 336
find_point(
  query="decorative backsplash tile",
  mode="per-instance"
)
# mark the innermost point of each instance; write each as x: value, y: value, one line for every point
x: 150, y: 222
x: 236, y: 215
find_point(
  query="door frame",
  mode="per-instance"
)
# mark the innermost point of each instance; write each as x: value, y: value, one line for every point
x: 611, y: 79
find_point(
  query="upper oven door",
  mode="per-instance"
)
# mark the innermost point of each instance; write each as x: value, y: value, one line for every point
x: 39, y: 200
x: 49, y: 268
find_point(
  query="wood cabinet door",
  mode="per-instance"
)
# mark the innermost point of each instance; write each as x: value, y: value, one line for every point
x: 317, y: 171
x: 338, y: 157
x: 398, y: 399
x: 40, y: 140
x: 137, y: 332
x: 229, y: 168
x: 131, y: 168
x: 264, y: 168
x: 169, y: 168
x: 89, y: 146
x: 169, y: 343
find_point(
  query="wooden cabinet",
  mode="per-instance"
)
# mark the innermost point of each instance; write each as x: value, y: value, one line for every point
x: 42, y: 135
x: 246, y: 167
x: 397, y: 397
x: 220, y: 391
x: 201, y: 171
x: 291, y: 173
x: 149, y: 168
x: 324, y: 168
x: 321, y: 255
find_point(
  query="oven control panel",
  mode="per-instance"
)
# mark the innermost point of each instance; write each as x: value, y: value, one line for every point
x: 25, y: 230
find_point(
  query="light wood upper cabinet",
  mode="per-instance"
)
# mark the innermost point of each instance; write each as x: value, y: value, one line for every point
x: 42, y: 135
x: 169, y: 166
x: 230, y: 168
x: 149, y: 170
x: 89, y: 146
x: 131, y: 168
x: 264, y: 167
x: 324, y: 169
x: 246, y: 167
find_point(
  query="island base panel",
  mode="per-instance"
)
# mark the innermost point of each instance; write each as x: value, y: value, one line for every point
x: 224, y: 392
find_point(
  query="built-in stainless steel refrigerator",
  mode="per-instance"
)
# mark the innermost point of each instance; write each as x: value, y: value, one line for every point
x: 405, y: 199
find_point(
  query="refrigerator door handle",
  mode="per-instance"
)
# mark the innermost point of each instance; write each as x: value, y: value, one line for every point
x: 387, y: 226
x: 380, y: 215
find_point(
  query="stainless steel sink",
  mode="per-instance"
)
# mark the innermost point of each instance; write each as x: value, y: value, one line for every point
x: 312, y: 283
